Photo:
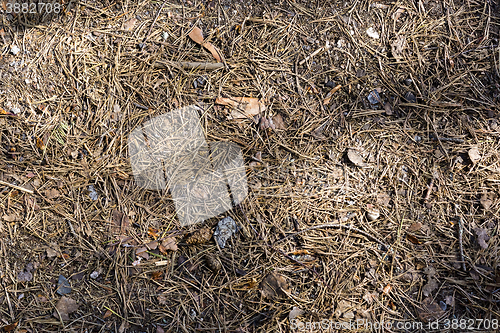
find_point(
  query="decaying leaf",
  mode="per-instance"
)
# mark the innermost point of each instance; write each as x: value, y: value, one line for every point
x: 387, y: 289
x: 370, y: 297
x: 64, y: 307
x: 52, y: 193
x: 474, y: 155
x: 200, y: 236
x: 273, y: 286
x: 10, y: 328
x: 129, y: 25
x: 168, y: 244
x: 10, y: 218
x: 120, y: 222
x: 355, y: 157
x: 397, y: 13
x: 482, y: 237
x: 296, y: 312
x: 397, y: 47
x: 244, y: 107
x: 142, y: 252
x: 430, y: 310
x: 430, y: 287
x: 415, y: 226
x: 278, y: 122
x: 383, y: 199
x: 487, y: 199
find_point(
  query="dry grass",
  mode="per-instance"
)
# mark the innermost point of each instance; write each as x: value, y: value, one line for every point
x: 82, y: 84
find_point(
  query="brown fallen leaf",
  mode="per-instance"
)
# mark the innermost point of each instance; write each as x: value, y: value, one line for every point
x: 107, y: 314
x: 215, y: 51
x: 120, y: 222
x: 430, y: 310
x: 168, y: 244
x: 197, y: 36
x: 482, y: 237
x: 413, y: 239
x: 415, y: 226
x: 329, y: 96
x: 64, y: 307
x: 10, y: 328
x: 274, y: 286
x: 278, y: 122
x: 244, y: 107
x: 129, y: 25
x: 52, y: 193
x: 142, y: 252
x: 355, y: 157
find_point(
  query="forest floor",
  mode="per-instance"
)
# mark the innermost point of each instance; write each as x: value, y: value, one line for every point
x: 371, y: 146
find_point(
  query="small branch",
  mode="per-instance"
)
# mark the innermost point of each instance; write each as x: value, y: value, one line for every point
x: 16, y: 187
x: 429, y: 191
x: 189, y: 65
x: 460, y: 236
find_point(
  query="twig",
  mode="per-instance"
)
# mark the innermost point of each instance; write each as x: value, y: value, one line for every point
x: 189, y: 65
x: 16, y: 187
x: 460, y: 236
x: 429, y: 191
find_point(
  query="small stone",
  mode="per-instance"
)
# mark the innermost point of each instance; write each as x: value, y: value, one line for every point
x: 14, y: 49
x: 225, y: 229
x: 408, y: 82
x: 372, y: 33
x: 94, y: 275
x: 410, y: 97
x: 165, y: 35
x: 63, y: 286
x: 15, y: 110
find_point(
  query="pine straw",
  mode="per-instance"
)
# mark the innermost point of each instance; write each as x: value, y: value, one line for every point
x: 89, y: 85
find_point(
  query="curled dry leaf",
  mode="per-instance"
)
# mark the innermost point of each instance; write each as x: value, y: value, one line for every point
x: 244, y: 107
x: 474, y: 155
x: 196, y: 35
x: 430, y: 287
x: 355, y: 157
x: 397, y: 13
x: 273, y: 286
x: 168, y: 244
x: 129, y: 25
